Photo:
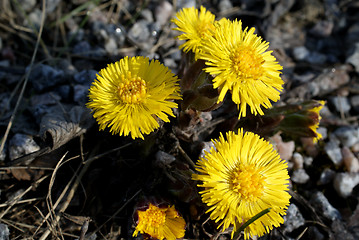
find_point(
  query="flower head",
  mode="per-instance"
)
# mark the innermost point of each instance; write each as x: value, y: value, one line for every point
x: 129, y: 95
x: 316, y: 119
x: 160, y: 223
x: 240, y: 63
x: 196, y: 26
x: 241, y: 177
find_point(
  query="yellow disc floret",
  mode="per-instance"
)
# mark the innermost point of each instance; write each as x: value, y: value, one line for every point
x: 132, y: 89
x: 248, y: 182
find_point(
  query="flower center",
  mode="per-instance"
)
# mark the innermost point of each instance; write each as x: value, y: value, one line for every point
x: 203, y: 28
x: 248, y: 182
x: 154, y: 216
x: 132, y: 89
x: 246, y: 63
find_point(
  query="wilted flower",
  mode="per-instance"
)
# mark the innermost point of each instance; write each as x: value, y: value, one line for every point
x: 129, y: 95
x: 240, y: 63
x: 196, y: 26
x: 241, y: 177
x: 160, y: 222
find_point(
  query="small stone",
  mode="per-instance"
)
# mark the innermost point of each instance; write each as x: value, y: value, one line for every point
x: 345, y: 182
x: 348, y: 136
x: 147, y: 15
x: 308, y: 161
x: 285, y: 149
x: 82, y: 48
x: 164, y: 159
x: 334, y: 153
x: 44, y: 76
x: 111, y: 46
x: 51, y: 5
x: 323, y: 131
x: 321, y: 203
x: 21, y: 144
x: 326, y: 176
x: 300, y: 176
x: 185, y: 4
x: 80, y: 94
x: 64, y: 92
x: 353, y: 57
x: 163, y: 12
x: 293, y: 219
x: 341, y: 104
x: 300, y: 53
x: 316, y: 58
x: 47, y: 98
x: 322, y: 28
x: 355, y: 148
x: 35, y: 18
x: 297, y: 160
x: 351, y: 163
x: 206, y: 147
x: 85, y: 77
x: 224, y: 5
x: 340, y: 231
x: 139, y: 32
x: 4, y: 232
x: 27, y: 5
x: 354, y: 101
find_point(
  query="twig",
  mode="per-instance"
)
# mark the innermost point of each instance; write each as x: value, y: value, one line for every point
x: 26, y: 77
x: 21, y: 201
x: 186, y: 157
x: 17, y: 198
x: 74, y: 187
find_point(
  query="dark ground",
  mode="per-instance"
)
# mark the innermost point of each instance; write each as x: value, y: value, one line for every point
x: 58, y: 172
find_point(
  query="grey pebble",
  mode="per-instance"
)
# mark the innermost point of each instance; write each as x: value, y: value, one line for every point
x: 354, y: 101
x: 353, y: 56
x: 27, y: 5
x: 326, y: 176
x: 300, y: 53
x: 300, y: 176
x: 224, y: 5
x: 293, y: 219
x: 80, y: 94
x: 345, y: 182
x: 321, y: 203
x: 21, y: 144
x: 44, y: 76
x: 163, y: 12
x: 334, y: 153
x: 4, y: 232
x: 340, y: 103
x: 298, y: 160
x: 85, y: 77
x: 139, y: 32
x: 348, y: 136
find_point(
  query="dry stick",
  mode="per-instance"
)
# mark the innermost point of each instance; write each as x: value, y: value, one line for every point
x: 17, y: 198
x: 74, y: 188
x: 26, y: 77
x: 48, y: 197
x: 73, y: 177
x: 118, y: 211
x: 186, y: 157
x: 21, y: 201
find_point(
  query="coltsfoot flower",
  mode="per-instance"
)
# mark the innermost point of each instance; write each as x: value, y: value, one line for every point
x: 160, y: 223
x: 196, y: 27
x: 241, y: 177
x: 316, y: 120
x: 240, y: 63
x: 129, y: 95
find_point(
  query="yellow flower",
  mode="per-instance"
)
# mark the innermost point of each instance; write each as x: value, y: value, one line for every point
x: 240, y: 63
x: 160, y: 223
x: 196, y: 26
x: 129, y: 95
x: 241, y: 177
x: 316, y: 120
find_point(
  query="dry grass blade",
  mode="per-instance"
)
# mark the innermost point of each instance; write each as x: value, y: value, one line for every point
x: 17, y: 198
x: 26, y: 77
